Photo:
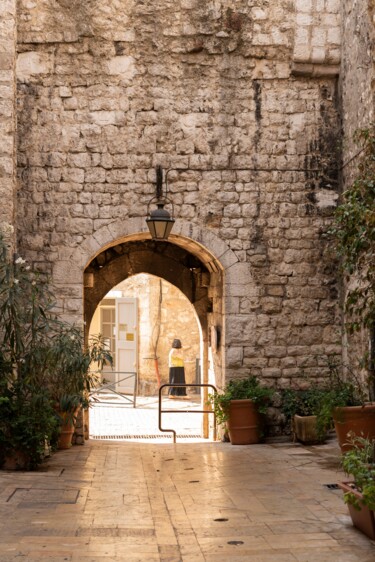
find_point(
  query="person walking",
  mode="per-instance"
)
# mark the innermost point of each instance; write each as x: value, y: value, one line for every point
x: 176, y: 369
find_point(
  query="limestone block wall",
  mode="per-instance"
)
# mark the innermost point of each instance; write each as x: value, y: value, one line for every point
x: 7, y: 110
x: 357, y: 73
x: 206, y: 89
x: 318, y: 32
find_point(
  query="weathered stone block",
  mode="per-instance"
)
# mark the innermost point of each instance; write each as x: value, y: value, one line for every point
x: 33, y: 63
x: 234, y: 357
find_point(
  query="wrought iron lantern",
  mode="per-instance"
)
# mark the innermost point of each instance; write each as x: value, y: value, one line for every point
x: 159, y: 221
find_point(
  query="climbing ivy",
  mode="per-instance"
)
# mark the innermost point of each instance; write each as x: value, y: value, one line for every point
x: 354, y: 233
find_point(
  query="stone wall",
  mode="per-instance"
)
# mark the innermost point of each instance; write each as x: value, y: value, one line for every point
x: 209, y: 91
x: 7, y: 110
x: 318, y: 32
x: 357, y: 74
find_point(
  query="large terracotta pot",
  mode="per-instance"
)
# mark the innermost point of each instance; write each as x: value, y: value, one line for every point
x: 359, y: 420
x: 244, y: 422
x: 362, y: 519
x: 66, y: 435
x: 67, y: 429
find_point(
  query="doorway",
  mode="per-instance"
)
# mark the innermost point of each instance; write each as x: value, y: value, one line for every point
x: 116, y: 319
x: 139, y: 318
x: 194, y: 259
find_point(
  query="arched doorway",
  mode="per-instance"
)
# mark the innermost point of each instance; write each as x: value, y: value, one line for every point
x: 139, y: 318
x: 185, y: 265
x: 231, y: 291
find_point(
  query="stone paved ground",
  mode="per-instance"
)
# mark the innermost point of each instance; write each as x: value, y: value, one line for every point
x: 111, y: 419
x: 121, y: 501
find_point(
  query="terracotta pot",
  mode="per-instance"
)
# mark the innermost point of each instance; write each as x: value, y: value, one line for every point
x: 362, y: 519
x: 359, y: 420
x: 65, y: 438
x: 244, y: 422
x: 67, y: 430
x: 305, y: 429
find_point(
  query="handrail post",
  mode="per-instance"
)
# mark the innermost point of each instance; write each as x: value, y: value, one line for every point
x: 160, y: 411
x: 206, y: 427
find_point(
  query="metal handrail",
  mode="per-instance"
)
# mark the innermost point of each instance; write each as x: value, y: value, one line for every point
x: 203, y: 385
x: 108, y: 386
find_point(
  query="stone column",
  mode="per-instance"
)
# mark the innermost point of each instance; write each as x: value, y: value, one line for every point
x: 8, y: 44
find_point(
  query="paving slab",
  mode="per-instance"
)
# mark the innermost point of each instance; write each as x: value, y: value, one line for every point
x: 112, y: 501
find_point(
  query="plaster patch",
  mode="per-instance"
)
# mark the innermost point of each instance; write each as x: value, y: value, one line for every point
x: 326, y: 198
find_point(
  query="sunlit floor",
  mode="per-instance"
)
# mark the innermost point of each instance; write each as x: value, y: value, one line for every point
x: 116, y: 418
x: 116, y: 501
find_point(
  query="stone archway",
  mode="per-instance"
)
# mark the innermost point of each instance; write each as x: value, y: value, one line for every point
x: 207, y: 271
x: 229, y: 280
x: 162, y: 259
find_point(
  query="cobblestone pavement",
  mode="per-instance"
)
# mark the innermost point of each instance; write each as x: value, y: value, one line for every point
x: 125, y: 501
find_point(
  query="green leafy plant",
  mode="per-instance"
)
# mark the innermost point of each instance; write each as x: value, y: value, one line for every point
x: 43, y: 362
x: 302, y: 402
x: 343, y: 388
x: 238, y: 389
x: 27, y: 417
x: 70, y: 377
x: 27, y: 421
x: 307, y: 402
x: 354, y: 233
x: 359, y: 462
x: 67, y: 409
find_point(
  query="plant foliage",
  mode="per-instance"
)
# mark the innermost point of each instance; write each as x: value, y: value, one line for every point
x: 354, y: 232
x: 27, y: 421
x: 308, y: 402
x: 42, y: 361
x: 70, y: 378
x: 238, y: 389
x: 359, y: 462
x: 342, y: 388
x: 302, y: 402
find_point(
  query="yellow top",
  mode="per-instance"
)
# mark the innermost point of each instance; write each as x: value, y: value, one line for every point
x: 176, y: 358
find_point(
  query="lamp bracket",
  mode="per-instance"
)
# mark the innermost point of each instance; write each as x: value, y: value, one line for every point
x: 160, y: 201
x: 159, y: 181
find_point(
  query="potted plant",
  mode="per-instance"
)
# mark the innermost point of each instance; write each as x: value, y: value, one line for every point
x: 346, y: 402
x: 241, y: 407
x: 27, y: 418
x: 301, y: 409
x: 67, y: 413
x: 359, y: 494
x: 42, y: 364
x: 70, y: 379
